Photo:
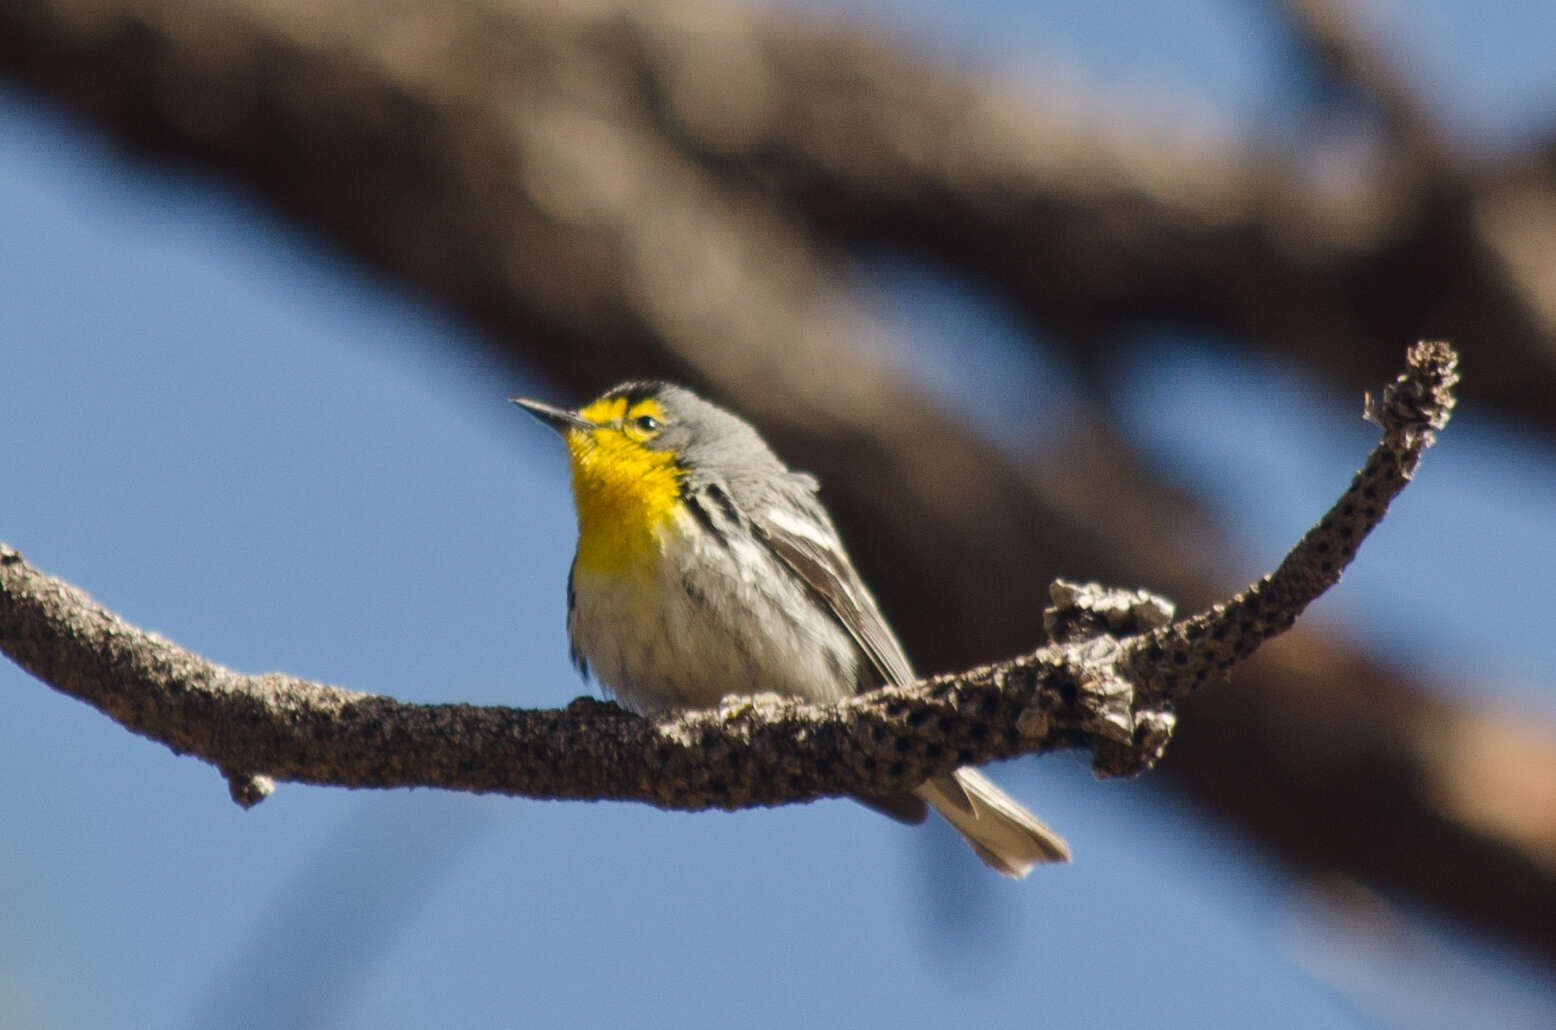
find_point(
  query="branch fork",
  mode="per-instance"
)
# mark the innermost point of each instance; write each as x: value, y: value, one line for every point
x: 1107, y: 682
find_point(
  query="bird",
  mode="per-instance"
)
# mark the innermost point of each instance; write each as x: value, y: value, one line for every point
x: 706, y: 567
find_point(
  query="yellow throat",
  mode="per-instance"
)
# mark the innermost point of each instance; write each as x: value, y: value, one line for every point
x: 626, y: 494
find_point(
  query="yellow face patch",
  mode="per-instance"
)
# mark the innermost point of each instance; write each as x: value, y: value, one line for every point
x: 625, y: 492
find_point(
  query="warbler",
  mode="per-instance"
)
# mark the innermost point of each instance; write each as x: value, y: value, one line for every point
x: 706, y: 567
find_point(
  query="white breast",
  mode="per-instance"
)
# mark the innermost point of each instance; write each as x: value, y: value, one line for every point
x: 662, y: 639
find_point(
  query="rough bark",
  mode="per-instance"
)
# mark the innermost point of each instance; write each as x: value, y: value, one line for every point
x: 1105, y: 683
x: 670, y: 188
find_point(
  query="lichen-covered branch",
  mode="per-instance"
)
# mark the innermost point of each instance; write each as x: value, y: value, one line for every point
x: 1106, y: 683
x: 496, y: 154
x: 1179, y: 657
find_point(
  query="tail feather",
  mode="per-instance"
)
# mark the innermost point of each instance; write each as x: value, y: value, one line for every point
x: 1006, y: 836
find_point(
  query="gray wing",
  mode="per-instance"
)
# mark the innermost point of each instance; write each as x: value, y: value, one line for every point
x: 796, y: 528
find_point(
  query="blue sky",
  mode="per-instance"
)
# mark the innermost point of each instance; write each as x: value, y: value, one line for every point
x: 231, y: 436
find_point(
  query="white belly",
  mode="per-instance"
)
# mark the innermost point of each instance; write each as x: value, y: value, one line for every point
x: 660, y: 640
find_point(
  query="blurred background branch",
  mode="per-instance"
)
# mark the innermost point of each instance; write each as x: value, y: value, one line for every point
x: 685, y: 188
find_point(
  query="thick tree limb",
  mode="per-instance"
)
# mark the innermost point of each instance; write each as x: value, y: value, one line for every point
x: 1106, y: 684
x: 488, y: 150
x: 1350, y: 62
x: 618, y: 189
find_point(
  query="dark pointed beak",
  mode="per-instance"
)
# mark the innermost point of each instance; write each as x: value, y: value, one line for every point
x: 559, y: 419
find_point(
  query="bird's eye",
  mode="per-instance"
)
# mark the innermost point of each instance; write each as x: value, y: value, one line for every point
x: 647, y: 423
